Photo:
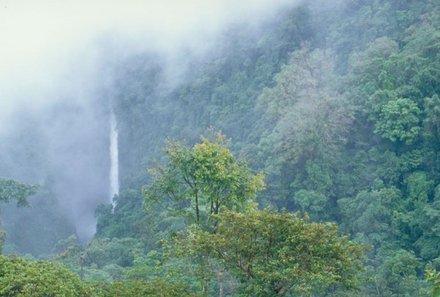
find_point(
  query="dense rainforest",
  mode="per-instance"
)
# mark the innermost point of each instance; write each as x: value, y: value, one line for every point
x: 300, y: 157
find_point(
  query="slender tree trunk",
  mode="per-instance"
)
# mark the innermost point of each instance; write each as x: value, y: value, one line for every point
x: 81, y: 263
x: 205, y: 287
x: 196, y: 194
x: 220, y: 284
x: 2, y: 238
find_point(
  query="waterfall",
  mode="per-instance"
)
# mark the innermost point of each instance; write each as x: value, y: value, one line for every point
x: 114, y: 160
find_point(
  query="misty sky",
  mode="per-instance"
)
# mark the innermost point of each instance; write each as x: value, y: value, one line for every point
x: 42, y: 40
x: 53, y: 56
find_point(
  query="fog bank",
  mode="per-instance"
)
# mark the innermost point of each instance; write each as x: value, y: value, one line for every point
x: 55, y: 80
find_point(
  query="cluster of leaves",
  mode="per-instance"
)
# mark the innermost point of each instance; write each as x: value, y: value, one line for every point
x: 206, y: 178
x: 340, y: 107
x: 11, y: 190
x: 20, y: 277
x: 140, y: 289
x: 276, y: 254
x: 28, y: 278
x: 218, y: 90
x: 345, y: 127
x: 433, y: 277
x: 36, y: 229
x: 102, y: 259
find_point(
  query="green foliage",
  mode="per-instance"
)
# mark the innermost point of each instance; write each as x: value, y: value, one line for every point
x: 277, y: 254
x: 310, y: 114
x: 103, y: 251
x: 140, y: 289
x: 36, y: 229
x: 20, y: 277
x: 311, y: 202
x: 399, y: 121
x: 170, y: 266
x: 306, y: 123
x: 11, y: 190
x: 433, y: 277
x: 369, y: 216
x: 126, y: 219
x: 398, y: 275
x: 432, y: 120
x: 101, y: 259
x: 338, y: 103
x: 205, y: 177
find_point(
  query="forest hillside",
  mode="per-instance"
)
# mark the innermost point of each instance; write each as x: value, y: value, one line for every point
x: 296, y: 157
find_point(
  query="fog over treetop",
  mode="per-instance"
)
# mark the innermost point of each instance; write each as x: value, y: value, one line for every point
x: 55, y: 84
x: 39, y: 40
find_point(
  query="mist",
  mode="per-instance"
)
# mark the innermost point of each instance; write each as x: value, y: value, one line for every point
x: 56, y: 61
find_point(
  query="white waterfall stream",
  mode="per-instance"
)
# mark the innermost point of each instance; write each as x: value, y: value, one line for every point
x: 114, y: 159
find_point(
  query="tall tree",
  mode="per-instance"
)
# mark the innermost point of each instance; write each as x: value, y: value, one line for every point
x: 277, y: 254
x: 11, y: 190
x: 206, y: 178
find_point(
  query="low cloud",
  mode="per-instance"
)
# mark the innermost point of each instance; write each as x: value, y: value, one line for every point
x: 52, y: 59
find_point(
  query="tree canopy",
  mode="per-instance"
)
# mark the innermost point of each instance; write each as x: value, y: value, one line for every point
x: 11, y: 190
x: 204, y: 179
x: 277, y: 254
